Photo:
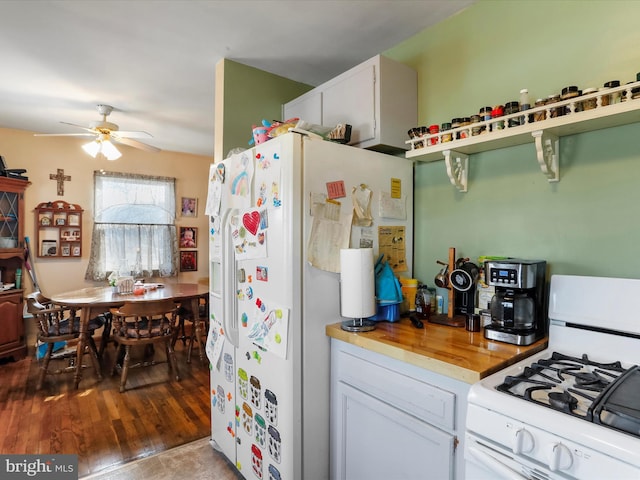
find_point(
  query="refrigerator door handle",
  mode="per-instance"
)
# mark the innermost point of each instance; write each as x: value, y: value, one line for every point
x: 229, y: 304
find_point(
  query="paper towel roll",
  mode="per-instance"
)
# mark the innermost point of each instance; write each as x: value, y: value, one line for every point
x: 357, y: 283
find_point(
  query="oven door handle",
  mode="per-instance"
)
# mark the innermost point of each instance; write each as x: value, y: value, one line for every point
x: 493, y: 464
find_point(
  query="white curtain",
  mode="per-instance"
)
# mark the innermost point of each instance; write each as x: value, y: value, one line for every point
x: 134, y: 230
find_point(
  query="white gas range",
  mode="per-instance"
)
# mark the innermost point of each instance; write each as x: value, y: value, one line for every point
x: 572, y: 410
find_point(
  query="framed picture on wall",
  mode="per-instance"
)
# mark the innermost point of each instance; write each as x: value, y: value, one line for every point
x: 189, y: 261
x: 189, y: 207
x: 188, y: 237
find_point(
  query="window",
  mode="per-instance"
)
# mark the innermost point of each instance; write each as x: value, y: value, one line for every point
x: 134, y: 230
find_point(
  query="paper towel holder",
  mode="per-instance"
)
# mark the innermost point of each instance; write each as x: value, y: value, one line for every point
x: 364, y: 306
x: 358, y: 325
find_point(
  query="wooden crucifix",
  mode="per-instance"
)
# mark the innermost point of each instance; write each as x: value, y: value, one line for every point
x: 60, y: 177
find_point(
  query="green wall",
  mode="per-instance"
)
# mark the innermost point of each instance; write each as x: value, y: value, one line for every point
x: 251, y: 95
x: 589, y: 222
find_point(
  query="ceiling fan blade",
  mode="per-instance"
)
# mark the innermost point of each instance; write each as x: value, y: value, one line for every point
x: 134, y: 143
x: 64, y: 134
x: 133, y: 134
x: 80, y: 126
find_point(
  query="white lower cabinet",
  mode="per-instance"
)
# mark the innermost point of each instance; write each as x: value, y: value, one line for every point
x: 391, y: 420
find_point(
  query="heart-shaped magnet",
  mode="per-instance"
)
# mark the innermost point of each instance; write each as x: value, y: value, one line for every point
x: 251, y: 221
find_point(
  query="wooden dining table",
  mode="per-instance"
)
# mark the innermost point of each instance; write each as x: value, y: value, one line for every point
x: 93, y: 301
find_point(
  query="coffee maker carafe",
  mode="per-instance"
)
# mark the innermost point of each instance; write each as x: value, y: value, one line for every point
x: 518, y: 308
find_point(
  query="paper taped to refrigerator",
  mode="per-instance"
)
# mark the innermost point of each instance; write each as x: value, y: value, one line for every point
x: 267, y: 176
x: 390, y: 207
x: 270, y: 328
x: 215, y: 343
x: 214, y: 193
x: 238, y: 176
x: 326, y: 239
x: 392, y: 243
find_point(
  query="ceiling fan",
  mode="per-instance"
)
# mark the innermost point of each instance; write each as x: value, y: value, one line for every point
x: 104, y: 133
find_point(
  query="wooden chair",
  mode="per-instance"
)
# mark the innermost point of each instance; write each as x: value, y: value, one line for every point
x: 57, y: 324
x: 143, y: 324
x: 185, y: 314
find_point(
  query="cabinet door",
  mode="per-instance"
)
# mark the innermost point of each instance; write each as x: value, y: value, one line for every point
x: 308, y: 107
x: 11, y: 328
x: 372, y: 440
x: 352, y: 100
x: 9, y: 220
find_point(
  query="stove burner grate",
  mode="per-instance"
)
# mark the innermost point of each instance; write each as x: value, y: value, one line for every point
x: 563, y: 401
x: 573, y: 385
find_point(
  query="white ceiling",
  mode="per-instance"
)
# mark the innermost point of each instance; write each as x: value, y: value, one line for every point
x: 154, y: 60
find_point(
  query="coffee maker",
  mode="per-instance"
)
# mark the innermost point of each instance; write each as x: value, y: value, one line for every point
x: 518, y: 307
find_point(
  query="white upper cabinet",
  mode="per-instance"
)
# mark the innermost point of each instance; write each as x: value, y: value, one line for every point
x: 352, y: 100
x: 307, y: 107
x: 378, y: 98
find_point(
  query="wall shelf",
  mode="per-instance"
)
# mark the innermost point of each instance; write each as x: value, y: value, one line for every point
x: 544, y: 134
x: 58, y: 229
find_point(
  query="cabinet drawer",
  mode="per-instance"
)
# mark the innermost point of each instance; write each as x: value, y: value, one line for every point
x: 416, y: 397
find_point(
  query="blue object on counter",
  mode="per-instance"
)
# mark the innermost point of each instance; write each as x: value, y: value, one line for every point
x: 388, y: 288
x: 388, y: 313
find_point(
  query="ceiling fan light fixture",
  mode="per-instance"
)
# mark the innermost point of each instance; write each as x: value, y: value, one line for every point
x: 110, y: 151
x: 102, y: 146
x: 92, y: 148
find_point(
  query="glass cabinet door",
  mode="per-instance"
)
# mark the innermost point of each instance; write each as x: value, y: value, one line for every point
x: 9, y: 219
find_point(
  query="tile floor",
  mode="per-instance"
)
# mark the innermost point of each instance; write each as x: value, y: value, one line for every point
x: 195, y: 461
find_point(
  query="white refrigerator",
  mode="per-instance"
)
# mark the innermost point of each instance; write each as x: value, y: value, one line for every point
x: 279, y: 213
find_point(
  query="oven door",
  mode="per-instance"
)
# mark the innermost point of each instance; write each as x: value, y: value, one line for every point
x: 488, y: 461
x: 482, y: 462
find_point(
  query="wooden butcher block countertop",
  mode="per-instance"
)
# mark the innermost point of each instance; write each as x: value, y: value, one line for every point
x: 450, y: 351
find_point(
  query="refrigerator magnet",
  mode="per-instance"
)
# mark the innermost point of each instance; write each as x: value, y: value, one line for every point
x: 262, y: 195
x: 336, y: 189
x: 262, y: 274
x: 220, y: 172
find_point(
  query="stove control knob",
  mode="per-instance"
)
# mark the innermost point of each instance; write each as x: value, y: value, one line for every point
x: 522, y: 442
x: 559, y: 457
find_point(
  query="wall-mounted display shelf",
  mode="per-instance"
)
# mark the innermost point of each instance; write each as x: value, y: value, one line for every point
x: 58, y: 229
x: 604, y: 109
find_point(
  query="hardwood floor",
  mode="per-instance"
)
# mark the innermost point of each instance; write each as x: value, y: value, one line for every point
x: 101, y: 425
